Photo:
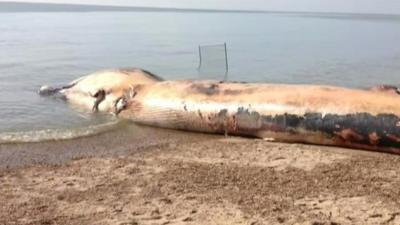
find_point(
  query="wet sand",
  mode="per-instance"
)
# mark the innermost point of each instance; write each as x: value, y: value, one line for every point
x: 154, y: 176
x: 126, y: 139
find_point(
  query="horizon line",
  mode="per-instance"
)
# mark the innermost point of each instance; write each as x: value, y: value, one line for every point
x: 128, y: 8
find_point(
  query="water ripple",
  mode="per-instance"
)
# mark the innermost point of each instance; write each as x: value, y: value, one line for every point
x: 58, y: 134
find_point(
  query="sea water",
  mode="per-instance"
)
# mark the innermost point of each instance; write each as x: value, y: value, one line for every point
x: 54, y: 48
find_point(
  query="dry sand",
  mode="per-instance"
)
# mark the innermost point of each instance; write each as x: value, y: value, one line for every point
x: 198, y: 179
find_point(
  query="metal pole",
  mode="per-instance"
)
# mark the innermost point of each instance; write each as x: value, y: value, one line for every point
x: 226, y: 62
x: 199, y: 57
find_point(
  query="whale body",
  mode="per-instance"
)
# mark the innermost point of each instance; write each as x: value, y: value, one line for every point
x: 313, y: 114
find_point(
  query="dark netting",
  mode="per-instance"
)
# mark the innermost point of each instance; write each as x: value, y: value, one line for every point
x: 213, y: 62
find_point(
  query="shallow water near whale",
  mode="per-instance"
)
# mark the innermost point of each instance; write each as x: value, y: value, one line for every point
x: 55, y: 48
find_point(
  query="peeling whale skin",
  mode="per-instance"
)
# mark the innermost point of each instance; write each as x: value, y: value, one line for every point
x: 322, y: 115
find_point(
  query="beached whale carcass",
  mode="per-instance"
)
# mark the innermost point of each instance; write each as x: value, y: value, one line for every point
x: 312, y: 114
x: 324, y: 115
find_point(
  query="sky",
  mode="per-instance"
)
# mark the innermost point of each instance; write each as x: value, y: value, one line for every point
x: 352, y: 6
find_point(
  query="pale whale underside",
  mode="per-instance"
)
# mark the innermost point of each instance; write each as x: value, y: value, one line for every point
x: 323, y: 115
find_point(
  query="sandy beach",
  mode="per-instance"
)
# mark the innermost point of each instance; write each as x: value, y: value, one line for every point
x: 186, y: 178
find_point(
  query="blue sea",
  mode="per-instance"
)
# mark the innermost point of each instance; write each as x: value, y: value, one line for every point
x: 55, y: 48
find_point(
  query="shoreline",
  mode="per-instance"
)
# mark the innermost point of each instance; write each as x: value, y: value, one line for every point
x: 185, y: 178
x: 127, y: 139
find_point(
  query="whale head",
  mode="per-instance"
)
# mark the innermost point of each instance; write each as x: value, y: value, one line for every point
x: 105, y: 91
